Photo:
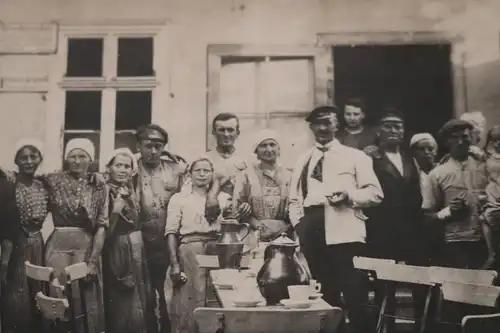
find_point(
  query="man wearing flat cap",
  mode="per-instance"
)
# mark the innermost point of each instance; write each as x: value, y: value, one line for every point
x: 395, y: 227
x: 330, y: 186
x: 450, y: 200
x: 160, y: 175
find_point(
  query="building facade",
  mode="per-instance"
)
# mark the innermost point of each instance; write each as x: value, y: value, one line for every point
x: 99, y: 68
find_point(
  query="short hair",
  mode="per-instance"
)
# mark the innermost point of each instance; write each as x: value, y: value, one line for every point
x: 201, y: 159
x: 355, y: 102
x: 150, y: 127
x: 226, y: 116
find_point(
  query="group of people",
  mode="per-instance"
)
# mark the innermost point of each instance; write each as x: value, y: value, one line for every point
x: 357, y: 191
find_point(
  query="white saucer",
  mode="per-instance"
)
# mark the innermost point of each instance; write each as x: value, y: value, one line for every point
x: 246, y: 303
x: 296, y: 304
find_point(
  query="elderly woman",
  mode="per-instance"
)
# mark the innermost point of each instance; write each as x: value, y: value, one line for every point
x: 26, y: 210
x: 264, y: 187
x: 79, y: 207
x: 188, y: 234
x: 129, y: 306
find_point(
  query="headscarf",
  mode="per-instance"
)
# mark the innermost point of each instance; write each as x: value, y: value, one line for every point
x: 187, y: 187
x: 80, y: 143
x: 28, y: 142
x: 423, y: 136
x: 263, y: 135
x: 123, y: 151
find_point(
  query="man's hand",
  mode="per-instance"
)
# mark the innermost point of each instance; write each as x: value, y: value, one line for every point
x: 176, y: 274
x: 338, y: 198
x: 92, y: 271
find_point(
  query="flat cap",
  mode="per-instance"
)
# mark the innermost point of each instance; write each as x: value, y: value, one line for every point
x: 453, y: 125
x: 392, y: 114
x: 151, y: 132
x: 322, y: 112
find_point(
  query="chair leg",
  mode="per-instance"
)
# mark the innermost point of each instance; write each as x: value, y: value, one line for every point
x: 424, y: 319
x: 380, y: 320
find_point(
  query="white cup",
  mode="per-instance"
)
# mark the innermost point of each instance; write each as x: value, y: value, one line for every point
x: 315, y: 286
x: 299, y: 293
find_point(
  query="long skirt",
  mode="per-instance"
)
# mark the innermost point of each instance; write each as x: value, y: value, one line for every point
x: 191, y: 295
x: 19, y: 313
x: 67, y: 246
x: 128, y: 294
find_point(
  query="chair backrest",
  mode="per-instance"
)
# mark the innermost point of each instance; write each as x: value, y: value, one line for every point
x: 267, y: 320
x: 370, y: 264
x: 76, y: 272
x: 481, y: 323
x: 52, y: 308
x: 475, y: 294
x: 39, y: 273
x: 440, y: 275
x: 403, y: 273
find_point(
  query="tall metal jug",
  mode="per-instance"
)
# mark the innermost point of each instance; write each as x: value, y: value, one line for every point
x: 229, y: 245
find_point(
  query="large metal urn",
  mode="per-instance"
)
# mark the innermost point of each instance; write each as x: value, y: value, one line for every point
x: 230, y: 245
x: 281, y: 269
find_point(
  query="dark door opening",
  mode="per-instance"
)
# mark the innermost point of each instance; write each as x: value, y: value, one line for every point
x: 417, y: 79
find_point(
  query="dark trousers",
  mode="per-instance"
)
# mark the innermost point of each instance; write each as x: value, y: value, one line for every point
x: 468, y: 255
x: 332, y: 266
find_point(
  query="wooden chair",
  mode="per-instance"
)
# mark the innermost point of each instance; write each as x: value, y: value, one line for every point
x: 481, y: 323
x: 439, y: 275
x: 60, y: 310
x: 392, y: 274
x: 267, y: 320
x: 482, y: 297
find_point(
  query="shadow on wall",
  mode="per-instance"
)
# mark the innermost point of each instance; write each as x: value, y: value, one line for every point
x: 483, y: 90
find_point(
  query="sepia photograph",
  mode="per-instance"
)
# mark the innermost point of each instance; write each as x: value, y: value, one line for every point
x: 249, y: 166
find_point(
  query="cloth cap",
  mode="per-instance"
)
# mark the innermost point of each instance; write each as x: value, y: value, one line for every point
x: 123, y: 151
x: 391, y: 114
x: 322, y: 113
x: 264, y: 135
x: 152, y: 132
x: 28, y: 143
x: 80, y: 143
x: 422, y: 136
x: 454, y: 125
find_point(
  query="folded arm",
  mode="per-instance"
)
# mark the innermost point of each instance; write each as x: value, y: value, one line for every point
x: 368, y: 192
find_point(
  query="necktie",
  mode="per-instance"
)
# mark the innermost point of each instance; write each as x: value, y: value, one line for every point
x: 318, y: 169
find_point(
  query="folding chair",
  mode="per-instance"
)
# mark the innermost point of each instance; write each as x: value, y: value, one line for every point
x: 480, y: 297
x: 392, y: 274
x: 60, y: 310
x: 481, y: 323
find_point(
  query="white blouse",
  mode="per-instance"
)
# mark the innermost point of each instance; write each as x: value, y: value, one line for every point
x: 186, y: 213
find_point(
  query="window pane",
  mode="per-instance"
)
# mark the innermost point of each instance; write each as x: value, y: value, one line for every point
x: 133, y: 108
x: 85, y: 57
x: 126, y: 140
x: 239, y: 90
x: 83, y: 110
x: 95, y: 138
x: 135, y: 57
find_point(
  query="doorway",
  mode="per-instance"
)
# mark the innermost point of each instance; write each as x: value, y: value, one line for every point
x: 417, y: 79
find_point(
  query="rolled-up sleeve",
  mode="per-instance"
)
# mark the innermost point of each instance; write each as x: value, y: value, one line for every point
x: 431, y: 195
x: 103, y: 220
x: 369, y: 191
x: 174, y: 215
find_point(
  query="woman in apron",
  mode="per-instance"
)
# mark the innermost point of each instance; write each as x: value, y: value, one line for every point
x: 27, y: 201
x: 79, y: 207
x: 128, y: 294
x: 264, y: 187
x: 188, y: 234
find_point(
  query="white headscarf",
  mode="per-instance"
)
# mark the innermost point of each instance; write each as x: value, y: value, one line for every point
x: 423, y: 136
x: 264, y: 135
x: 123, y: 151
x: 29, y: 142
x: 80, y: 143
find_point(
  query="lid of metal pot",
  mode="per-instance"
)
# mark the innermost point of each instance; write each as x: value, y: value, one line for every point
x: 283, y: 240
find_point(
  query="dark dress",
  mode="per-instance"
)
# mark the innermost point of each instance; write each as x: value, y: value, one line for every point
x: 128, y: 294
x: 26, y: 208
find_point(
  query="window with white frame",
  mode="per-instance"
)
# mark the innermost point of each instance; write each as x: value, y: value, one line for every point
x: 108, y: 84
